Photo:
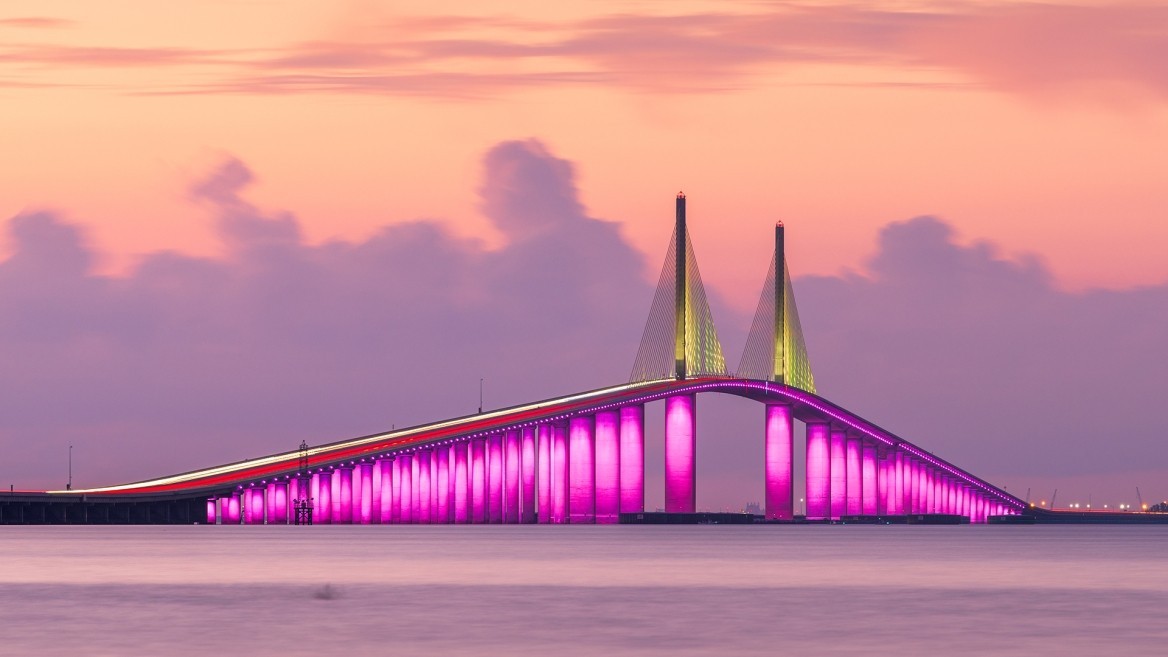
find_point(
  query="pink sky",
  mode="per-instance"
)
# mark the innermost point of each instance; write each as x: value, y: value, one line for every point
x: 1040, y: 127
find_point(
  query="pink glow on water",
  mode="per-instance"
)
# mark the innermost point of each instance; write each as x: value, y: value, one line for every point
x: 778, y: 462
x: 871, y: 495
x: 681, y: 453
x: 839, y: 473
x: 511, y: 477
x: 855, y: 495
x: 608, y: 466
x: 527, y: 501
x: 632, y: 458
x: 582, y: 471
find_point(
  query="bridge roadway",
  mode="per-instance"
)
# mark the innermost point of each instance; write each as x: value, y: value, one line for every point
x: 557, y: 460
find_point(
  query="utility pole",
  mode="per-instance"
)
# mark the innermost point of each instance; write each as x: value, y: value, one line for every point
x: 69, y: 486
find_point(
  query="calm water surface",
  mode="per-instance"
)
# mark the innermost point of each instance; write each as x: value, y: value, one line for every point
x: 565, y: 591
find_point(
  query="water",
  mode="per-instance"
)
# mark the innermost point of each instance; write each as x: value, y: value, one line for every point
x: 566, y: 591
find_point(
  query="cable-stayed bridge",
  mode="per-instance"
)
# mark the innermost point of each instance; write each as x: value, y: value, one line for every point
x: 581, y: 458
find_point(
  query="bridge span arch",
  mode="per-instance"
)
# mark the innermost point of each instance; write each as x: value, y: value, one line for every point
x: 578, y: 459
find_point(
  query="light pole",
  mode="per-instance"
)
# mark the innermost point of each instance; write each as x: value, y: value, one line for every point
x: 69, y: 485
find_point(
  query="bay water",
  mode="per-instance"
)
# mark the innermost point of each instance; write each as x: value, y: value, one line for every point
x: 584, y: 590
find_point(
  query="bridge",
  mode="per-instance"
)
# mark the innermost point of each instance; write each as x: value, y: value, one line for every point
x: 579, y: 458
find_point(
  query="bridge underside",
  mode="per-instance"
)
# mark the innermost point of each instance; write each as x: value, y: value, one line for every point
x: 576, y: 459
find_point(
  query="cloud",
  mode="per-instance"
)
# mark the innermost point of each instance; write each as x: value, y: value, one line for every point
x: 1022, y: 48
x: 984, y: 360
x: 187, y: 362
x: 36, y: 22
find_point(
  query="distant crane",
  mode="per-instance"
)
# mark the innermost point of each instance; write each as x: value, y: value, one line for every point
x: 1141, y: 498
x: 1052, y: 499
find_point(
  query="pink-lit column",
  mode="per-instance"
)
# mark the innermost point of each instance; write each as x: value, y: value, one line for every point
x: 322, y: 513
x: 632, y: 458
x: 254, y: 510
x: 511, y: 477
x: 495, y: 479
x: 343, y: 489
x: 527, y: 505
x: 231, y: 514
x: 212, y: 510
x: 544, y: 480
x: 913, y: 484
x: 869, y: 498
x: 280, y: 503
x: 582, y: 470
x: 560, y: 463
x: 425, y: 483
x: 270, y: 503
x: 442, y: 486
x: 839, y: 473
x: 461, y: 482
x: 395, y: 491
x: 294, y: 494
x: 883, y: 477
x: 385, y: 500
x: 416, y: 486
x: 608, y: 467
x: 375, y: 474
x: 902, y: 495
x: 855, y: 496
x: 363, y: 493
x: 818, y: 471
x: 478, y: 480
x: 681, y: 454
x: 779, y: 455
x: 406, y: 490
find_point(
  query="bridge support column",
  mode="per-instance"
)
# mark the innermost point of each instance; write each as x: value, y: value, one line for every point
x: 385, y: 486
x: 632, y: 458
x: 406, y: 491
x: 363, y: 494
x: 560, y: 478
x: 461, y: 483
x: 839, y: 473
x: 232, y: 515
x: 495, y: 479
x: 511, y: 477
x: 254, y: 507
x: 883, y: 490
x: 323, y: 513
x: 280, y: 503
x: 855, y: 496
x: 213, y: 511
x: 681, y: 454
x: 395, y: 491
x: 270, y: 503
x: 818, y: 471
x: 608, y: 467
x: 544, y: 435
x: 424, y: 472
x: 375, y: 475
x: 778, y: 459
x: 478, y: 480
x: 912, y: 472
x: 527, y: 508
x: 442, y: 462
x: 343, y: 496
x: 582, y: 470
x: 869, y: 496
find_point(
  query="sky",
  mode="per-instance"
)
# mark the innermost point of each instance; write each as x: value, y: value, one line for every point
x: 230, y: 226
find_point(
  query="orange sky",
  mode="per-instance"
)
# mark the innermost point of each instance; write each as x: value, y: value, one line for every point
x: 1040, y: 127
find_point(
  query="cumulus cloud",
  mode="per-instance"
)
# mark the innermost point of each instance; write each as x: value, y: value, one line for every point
x: 986, y: 361
x: 188, y: 361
